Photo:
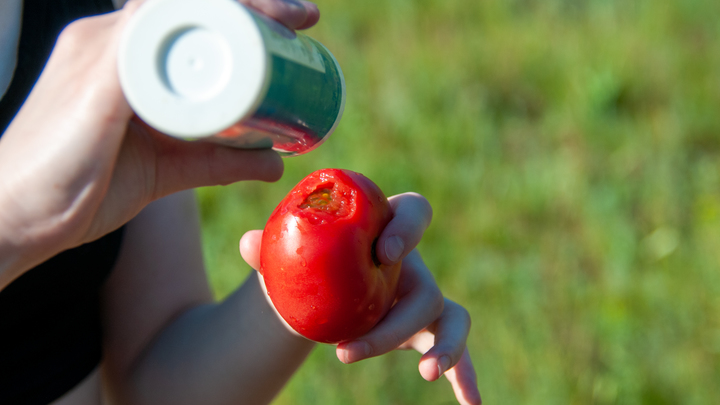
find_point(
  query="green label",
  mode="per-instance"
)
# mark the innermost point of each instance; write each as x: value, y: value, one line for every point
x: 283, y: 42
x: 302, y: 96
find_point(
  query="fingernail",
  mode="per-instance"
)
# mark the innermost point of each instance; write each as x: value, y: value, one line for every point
x: 443, y: 364
x: 307, y: 4
x: 394, y: 247
x: 357, y: 350
x: 295, y: 4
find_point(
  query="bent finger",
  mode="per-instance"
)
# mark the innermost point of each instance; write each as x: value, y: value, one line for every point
x: 412, y: 215
x: 419, y: 304
x: 451, y: 331
x: 313, y: 15
x: 463, y: 379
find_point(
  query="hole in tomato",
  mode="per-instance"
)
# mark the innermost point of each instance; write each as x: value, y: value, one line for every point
x: 327, y: 203
x: 320, y: 199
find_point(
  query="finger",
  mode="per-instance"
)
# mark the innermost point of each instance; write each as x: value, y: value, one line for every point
x: 181, y: 165
x: 463, y: 379
x: 412, y: 214
x: 421, y: 342
x: 451, y: 331
x: 462, y: 376
x: 250, y: 248
x: 419, y: 304
x: 313, y: 15
x: 291, y: 13
x: 205, y: 164
x: 250, y: 251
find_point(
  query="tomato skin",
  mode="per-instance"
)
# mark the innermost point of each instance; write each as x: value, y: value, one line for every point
x: 319, y: 267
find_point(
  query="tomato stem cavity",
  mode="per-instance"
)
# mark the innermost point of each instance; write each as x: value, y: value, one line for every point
x: 320, y: 199
x: 327, y: 203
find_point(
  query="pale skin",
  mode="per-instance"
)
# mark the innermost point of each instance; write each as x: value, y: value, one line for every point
x: 75, y: 165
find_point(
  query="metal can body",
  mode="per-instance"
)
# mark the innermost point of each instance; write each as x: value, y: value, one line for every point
x: 213, y: 69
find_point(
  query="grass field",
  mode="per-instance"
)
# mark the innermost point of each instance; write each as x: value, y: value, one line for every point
x: 571, y: 152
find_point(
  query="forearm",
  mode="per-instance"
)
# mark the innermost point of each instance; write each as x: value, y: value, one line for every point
x: 234, y: 352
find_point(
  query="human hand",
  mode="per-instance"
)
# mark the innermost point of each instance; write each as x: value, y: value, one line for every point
x: 75, y: 164
x: 421, y: 318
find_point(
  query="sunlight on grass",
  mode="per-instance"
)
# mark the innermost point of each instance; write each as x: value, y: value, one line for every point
x: 570, y: 150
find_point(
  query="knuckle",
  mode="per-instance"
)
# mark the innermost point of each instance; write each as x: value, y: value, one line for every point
x: 421, y: 201
x: 427, y: 208
x: 73, y: 35
x: 461, y: 315
x: 438, y: 303
x: 132, y: 5
x: 384, y: 343
x: 465, y: 316
x: 420, y: 206
x: 90, y: 31
x: 393, y: 340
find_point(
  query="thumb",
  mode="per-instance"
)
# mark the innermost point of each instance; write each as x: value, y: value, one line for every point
x: 250, y: 248
x: 181, y: 165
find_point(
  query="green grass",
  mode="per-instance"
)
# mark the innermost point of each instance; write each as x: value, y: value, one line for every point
x: 571, y: 152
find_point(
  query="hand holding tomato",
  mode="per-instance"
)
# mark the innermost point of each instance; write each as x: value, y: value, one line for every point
x: 421, y: 318
x: 318, y: 258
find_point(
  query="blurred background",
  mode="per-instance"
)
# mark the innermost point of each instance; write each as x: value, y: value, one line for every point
x: 571, y: 152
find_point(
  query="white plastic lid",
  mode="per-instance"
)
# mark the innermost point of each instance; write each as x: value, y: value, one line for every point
x: 192, y: 68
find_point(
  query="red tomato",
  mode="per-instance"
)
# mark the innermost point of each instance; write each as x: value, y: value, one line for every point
x: 318, y: 256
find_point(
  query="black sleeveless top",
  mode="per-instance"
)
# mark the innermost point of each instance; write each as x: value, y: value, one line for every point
x: 50, y: 331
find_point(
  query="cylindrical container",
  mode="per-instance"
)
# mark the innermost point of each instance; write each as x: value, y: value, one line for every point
x: 216, y: 70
